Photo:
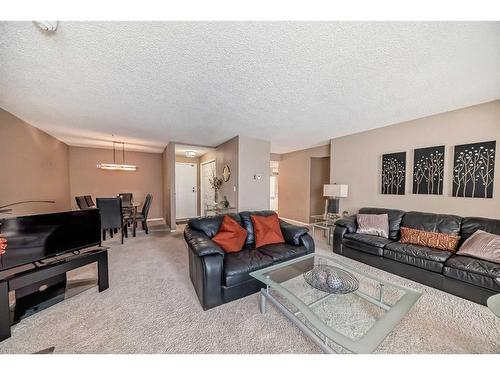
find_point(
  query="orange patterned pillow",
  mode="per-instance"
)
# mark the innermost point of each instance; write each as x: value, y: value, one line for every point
x: 441, y: 241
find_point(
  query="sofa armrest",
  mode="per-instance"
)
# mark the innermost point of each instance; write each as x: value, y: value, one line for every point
x: 200, y: 243
x: 348, y: 222
x: 292, y: 233
x: 338, y: 236
x: 307, y: 241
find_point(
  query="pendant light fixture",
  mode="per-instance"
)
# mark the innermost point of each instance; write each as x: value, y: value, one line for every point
x: 116, y: 166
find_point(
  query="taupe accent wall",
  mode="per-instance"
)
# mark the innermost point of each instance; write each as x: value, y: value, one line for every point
x: 33, y: 166
x: 320, y: 175
x: 87, y: 179
x: 294, y: 201
x: 253, y: 179
x: 227, y: 154
x: 356, y: 161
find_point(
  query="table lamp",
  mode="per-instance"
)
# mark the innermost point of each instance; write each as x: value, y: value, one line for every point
x: 334, y: 192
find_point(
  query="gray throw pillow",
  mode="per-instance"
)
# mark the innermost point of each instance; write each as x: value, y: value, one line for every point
x: 377, y: 225
x: 482, y: 245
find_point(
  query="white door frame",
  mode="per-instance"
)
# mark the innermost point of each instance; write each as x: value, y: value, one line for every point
x: 197, y: 187
x: 201, y: 183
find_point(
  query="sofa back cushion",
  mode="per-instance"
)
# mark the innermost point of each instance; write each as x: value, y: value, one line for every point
x: 395, y: 217
x: 429, y: 222
x: 246, y: 221
x: 472, y: 224
x: 210, y: 225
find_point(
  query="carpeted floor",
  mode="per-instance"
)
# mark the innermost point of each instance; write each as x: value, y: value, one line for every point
x: 151, y: 307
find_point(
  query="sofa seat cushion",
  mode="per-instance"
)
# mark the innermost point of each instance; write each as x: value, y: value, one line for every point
x: 237, y: 266
x: 473, y: 271
x: 281, y: 251
x: 366, y: 243
x: 416, y: 255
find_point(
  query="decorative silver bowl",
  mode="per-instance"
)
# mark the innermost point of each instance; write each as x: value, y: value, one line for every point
x: 331, y: 279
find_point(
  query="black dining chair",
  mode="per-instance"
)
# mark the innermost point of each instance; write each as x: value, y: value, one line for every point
x: 81, y: 203
x: 143, y: 215
x: 126, y: 199
x: 111, y: 216
x: 89, y: 201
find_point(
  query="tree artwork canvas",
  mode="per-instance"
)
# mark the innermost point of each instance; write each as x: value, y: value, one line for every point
x: 473, y: 170
x: 428, y: 170
x: 394, y: 173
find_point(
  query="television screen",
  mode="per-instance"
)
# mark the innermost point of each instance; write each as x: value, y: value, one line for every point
x: 33, y: 238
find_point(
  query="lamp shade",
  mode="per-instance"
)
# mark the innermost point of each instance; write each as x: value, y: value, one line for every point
x: 335, y: 190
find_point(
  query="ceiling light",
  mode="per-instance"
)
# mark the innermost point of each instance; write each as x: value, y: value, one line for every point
x: 191, y: 154
x: 114, y: 166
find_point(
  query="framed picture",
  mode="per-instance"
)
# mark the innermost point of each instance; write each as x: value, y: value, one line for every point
x: 393, y: 177
x: 428, y: 170
x: 474, y: 169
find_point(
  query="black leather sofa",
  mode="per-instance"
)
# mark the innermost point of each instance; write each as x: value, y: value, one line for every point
x: 220, y: 277
x: 464, y: 276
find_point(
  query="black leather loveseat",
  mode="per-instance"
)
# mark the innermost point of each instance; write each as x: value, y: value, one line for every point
x: 464, y: 276
x: 220, y: 277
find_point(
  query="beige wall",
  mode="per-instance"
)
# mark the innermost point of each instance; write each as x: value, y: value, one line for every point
x: 320, y: 175
x: 87, y: 179
x: 294, y: 182
x: 253, y: 161
x: 227, y: 154
x: 356, y: 160
x: 33, y: 166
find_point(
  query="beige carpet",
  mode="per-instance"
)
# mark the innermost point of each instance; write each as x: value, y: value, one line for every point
x: 151, y: 307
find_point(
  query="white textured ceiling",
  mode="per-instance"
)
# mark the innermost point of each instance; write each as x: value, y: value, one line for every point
x: 296, y: 84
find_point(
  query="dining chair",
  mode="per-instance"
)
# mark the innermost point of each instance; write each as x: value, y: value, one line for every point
x: 111, y: 216
x: 126, y: 199
x: 89, y: 201
x: 81, y: 203
x: 143, y: 215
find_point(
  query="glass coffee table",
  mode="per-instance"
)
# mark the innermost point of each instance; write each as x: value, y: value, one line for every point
x: 356, y: 321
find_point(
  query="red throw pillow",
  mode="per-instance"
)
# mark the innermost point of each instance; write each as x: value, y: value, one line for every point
x: 231, y: 236
x: 267, y: 230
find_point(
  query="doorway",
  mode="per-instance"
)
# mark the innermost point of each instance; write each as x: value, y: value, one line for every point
x: 186, y: 188
x: 207, y: 193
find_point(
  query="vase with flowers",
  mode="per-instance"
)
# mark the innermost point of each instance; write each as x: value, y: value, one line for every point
x: 216, y: 184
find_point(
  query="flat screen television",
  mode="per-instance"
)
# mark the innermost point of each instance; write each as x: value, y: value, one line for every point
x: 37, y: 237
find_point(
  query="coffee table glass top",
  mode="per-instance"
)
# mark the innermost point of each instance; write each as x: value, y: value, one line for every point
x: 354, y: 322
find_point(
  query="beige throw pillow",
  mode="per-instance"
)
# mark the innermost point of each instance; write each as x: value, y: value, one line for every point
x: 482, y: 245
x: 377, y: 225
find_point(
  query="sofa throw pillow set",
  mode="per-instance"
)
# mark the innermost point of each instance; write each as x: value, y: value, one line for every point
x: 480, y: 244
x: 231, y: 236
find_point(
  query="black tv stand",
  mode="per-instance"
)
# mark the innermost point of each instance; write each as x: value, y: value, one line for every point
x: 53, y: 274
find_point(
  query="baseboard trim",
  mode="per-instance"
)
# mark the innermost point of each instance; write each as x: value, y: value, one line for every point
x: 291, y: 221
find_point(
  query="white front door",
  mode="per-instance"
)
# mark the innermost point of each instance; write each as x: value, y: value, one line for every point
x: 186, y: 189
x: 207, y: 193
